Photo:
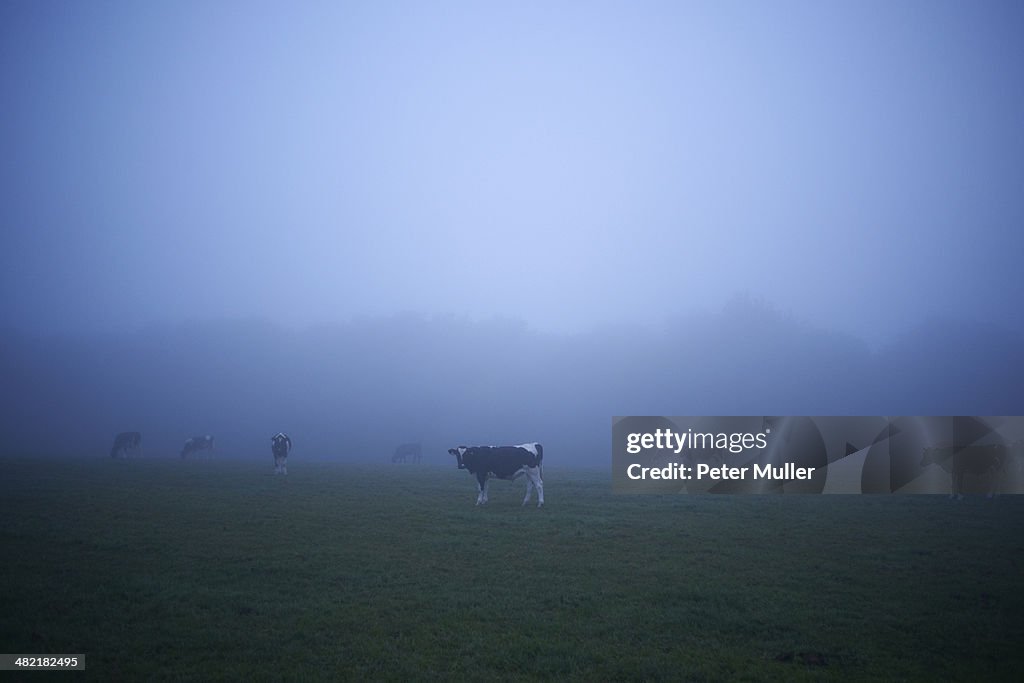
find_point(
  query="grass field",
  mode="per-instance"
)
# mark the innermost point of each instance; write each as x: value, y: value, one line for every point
x: 169, y: 570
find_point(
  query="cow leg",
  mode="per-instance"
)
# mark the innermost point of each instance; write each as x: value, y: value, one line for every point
x: 533, y: 477
x: 529, y: 489
x: 284, y: 467
x: 481, y: 481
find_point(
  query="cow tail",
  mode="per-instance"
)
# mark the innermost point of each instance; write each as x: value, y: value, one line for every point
x: 540, y: 460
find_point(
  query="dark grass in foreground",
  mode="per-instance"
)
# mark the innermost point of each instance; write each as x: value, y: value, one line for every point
x: 220, y: 570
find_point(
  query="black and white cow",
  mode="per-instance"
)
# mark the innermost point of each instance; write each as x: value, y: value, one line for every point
x: 407, y: 450
x: 503, y: 462
x: 124, y: 442
x: 281, y: 446
x: 197, y: 443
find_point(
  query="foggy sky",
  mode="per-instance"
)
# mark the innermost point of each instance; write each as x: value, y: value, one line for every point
x: 567, y: 164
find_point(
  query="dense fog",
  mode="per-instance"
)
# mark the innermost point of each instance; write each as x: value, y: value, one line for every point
x: 354, y: 391
x: 500, y: 222
x: 572, y: 165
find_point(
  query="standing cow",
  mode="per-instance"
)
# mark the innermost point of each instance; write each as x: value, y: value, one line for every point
x: 407, y: 450
x: 196, y: 444
x: 503, y: 462
x: 124, y: 442
x: 281, y: 446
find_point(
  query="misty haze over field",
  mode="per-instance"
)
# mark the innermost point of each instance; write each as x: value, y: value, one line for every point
x: 368, y: 223
x: 353, y: 391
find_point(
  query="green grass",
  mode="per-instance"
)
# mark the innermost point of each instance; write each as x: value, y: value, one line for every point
x: 169, y: 570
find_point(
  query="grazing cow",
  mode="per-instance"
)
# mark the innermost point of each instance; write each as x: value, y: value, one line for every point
x: 197, y: 443
x: 504, y: 462
x: 988, y: 461
x: 124, y: 442
x: 281, y: 445
x: 408, y: 450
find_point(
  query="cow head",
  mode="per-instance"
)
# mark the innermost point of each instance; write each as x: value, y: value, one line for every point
x: 458, y: 453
